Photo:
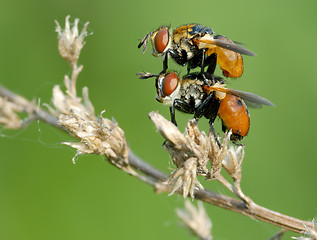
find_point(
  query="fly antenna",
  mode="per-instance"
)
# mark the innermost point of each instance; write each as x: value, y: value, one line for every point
x: 146, y: 75
x: 144, y: 42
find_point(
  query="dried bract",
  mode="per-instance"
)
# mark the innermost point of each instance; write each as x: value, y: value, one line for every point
x: 196, y: 220
x: 185, y: 177
x: 217, y: 153
x: 64, y: 103
x: 70, y: 42
x: 233, y: 161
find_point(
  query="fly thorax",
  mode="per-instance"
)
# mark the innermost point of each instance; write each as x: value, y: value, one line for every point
x: 185, y: 45
x: 191, y: 92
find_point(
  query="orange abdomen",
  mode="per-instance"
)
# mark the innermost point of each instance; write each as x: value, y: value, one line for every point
x: 234, y: 115
x: 231, y: 63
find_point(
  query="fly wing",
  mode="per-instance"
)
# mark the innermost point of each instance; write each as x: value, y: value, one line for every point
x: 251, y: 99
x: 208, y: 41
x: 234, y: 47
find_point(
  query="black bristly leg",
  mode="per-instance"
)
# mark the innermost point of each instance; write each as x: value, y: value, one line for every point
x: 202, y: 69
x: 212, y: 129
x: 212, y: 114
x: 209, y: 109
x: 179, y: 57
x: 201, y: 110
x: 212, y: 62
x: 212, y: 117
x: 202, y: 66
x: 184, y: 106
x: 181, y: 106
x: 172, y: 112
x: 165, y: 64
x: 173, y: 120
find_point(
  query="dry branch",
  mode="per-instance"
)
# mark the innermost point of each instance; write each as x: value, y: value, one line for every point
x: 193, y: 153
x: 220, y: 200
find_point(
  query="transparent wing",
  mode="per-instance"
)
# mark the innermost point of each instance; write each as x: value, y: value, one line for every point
x: 209, y: 41
x: 251, y: 99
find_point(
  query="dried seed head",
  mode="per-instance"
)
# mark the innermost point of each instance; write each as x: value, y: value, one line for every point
x: 233, y: 161
x: 70, y: 42
x: 191, y: 153
x: 217, y: 153
x: 66, y: 103
x: 196, y: 220
x: 99, y: 136
x: 185, y: 178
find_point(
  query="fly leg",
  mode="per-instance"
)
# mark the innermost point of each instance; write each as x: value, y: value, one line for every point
x: 172, y: 112
x: 165, y: 65
x: 202, y: 69
x: 211, y: 61
x: 209, y: 109
x: 181, y: 106
x: 212, y: 129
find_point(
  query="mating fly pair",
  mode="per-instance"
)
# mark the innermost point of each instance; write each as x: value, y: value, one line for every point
x: 202, y: 94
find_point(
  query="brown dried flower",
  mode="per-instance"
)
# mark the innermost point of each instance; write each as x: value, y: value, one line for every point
x: 191, y: 153
x: 217, y: 153
x: 185, y: 177
x: 97, y: 135
x: 196, y: 220
x: 70, y: 42
x: 233, y: 161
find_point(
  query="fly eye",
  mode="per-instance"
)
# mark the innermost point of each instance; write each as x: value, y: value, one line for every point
x: 161, y: 40
x: 169, y: 84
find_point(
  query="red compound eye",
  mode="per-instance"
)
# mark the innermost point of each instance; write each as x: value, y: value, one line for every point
x: 161, y: 40
x: 169, y: 84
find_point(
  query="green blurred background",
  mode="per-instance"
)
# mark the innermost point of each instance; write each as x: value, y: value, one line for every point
x: 44, y: 196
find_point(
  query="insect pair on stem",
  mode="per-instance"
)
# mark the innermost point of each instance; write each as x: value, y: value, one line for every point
x: 202, y: 94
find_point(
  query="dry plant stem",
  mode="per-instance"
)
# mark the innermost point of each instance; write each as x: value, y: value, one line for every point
x: 75, y: 73
x: 146, y: 168
x: 232, y: 204
x: 235, y: 190
x: 254, y: 211
x: 34, y: 111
